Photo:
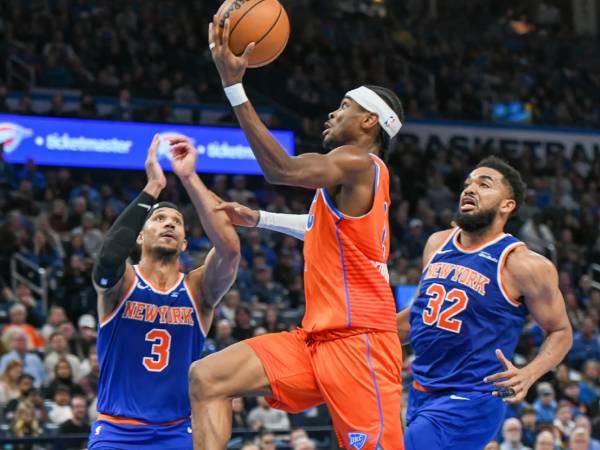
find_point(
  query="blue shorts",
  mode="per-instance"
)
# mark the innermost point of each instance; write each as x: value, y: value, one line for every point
x: 457, y: 420
x: 112, y: 436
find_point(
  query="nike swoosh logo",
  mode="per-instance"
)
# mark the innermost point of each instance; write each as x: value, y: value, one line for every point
x: 441, y: 252
x: 189, y: 429
x: 458, y: 397
x: 143, y: 205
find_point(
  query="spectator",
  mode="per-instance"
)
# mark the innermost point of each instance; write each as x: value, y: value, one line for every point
x: 249, y: 446
x: 586, y: 345
x: 266, y: 441
x: 60, y: 406
x: 89, y: 383
x: 538, y: 237
x: 58, y: 351
x: 589, y: 383
x: 545, y: 405
x: 562, y: 377
x: 239, y: 193
x: 580, y: 439
x: 18, y: 318
x: 512, y: 433
x: 86, y: 337
x: 271, y: 321
x: 529, y: 421
x: 63, y: 377
x: 30, y: 173
x: 9, y: 387
x: 92, y: 236
x: 35, y: 310
x: 77, y: 424
x: 243, y: 323
x: 56, y: 316
x: 414, y: 243
x: 238, y: 408
x: 28, y: 394
x: 544, y: 441
x: 564, y: 420
x: 228, y: 305
x: 304, y: 444
x: 265, y: 291
x: 25, y: 424
x: 296, y: 434
x: 32, y: 364
x: 583, y: 421
x: 263, y: 416
x: 492, y: 446
x: 223, y: 335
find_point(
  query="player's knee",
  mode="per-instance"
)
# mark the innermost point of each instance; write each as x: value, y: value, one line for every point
x: 203, y: 383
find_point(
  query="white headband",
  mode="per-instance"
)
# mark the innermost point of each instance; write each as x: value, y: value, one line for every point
x: 372, y: 102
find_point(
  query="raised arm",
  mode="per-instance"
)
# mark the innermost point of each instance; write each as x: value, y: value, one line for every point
x: 291, y: 224
x: 112, y: 274
x: 212, y: 280
x: 534, y: 278
x: 311, y: 170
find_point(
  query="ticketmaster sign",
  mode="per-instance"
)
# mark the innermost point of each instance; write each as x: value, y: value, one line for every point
x: 434, y: 135
x: 123, y: 145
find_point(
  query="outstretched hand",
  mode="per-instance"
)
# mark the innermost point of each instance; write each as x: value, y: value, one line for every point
x: 239, y: 214
x: 230, y: 67
x: 515, y: 381
x: 184, y: 157
x: 156, y: 177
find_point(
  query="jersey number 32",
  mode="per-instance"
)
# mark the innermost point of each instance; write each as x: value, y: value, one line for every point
x: 433, y: 314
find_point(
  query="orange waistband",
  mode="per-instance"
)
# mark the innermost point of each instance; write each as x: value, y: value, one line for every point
x: 421, y: 388
x: 126, y: 421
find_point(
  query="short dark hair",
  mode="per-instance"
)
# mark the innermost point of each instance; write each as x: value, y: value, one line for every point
x: 511, y: 177
x: 383, y: 139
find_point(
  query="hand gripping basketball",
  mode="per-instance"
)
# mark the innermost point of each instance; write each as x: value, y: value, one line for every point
x: 231, y: 67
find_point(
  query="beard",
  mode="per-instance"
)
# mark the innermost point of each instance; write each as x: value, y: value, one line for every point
x: 165, y: 253
x: 476, y: 221
x: 329, y: 144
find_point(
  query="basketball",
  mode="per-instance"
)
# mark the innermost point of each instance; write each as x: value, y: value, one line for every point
x: 264, y: 22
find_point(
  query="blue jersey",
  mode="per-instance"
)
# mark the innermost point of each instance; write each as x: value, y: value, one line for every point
x: 145, y: 348
x: 462, y: 313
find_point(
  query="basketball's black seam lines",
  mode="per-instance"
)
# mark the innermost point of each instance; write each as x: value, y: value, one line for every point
x: 266, y: 61
x: 244, y: 15
x: 272, y: 26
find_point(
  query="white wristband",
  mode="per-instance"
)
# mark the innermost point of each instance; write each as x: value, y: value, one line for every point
x: 236, y: 94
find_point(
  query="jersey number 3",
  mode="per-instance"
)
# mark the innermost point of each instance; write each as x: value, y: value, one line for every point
x: 445, y: 320
x: 160, y: 350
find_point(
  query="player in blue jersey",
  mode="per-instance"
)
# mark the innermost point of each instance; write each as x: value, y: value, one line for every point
x: 153, y: 318
x: 477, y: 287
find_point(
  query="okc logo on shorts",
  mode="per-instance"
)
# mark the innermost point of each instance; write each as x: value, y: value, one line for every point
x: 12, y: 134
x: 357, y: 440
x: 164, y: 147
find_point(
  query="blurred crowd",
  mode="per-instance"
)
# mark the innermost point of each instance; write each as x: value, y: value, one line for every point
x: 56, y: 218
x: 456, y: 60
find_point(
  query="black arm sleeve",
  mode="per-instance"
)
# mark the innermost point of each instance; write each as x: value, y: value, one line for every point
x: 109, y: 266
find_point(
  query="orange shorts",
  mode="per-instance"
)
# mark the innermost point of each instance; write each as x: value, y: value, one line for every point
x: 357, y: 374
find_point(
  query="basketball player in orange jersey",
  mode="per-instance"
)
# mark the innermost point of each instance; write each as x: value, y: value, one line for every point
x: 347, y: 353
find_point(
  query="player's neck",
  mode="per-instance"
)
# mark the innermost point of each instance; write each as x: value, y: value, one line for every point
x: 470, y: 239
x: 366, y: 143
x: 162, y: 273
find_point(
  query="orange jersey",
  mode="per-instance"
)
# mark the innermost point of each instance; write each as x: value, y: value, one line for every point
x: 346, y: 280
